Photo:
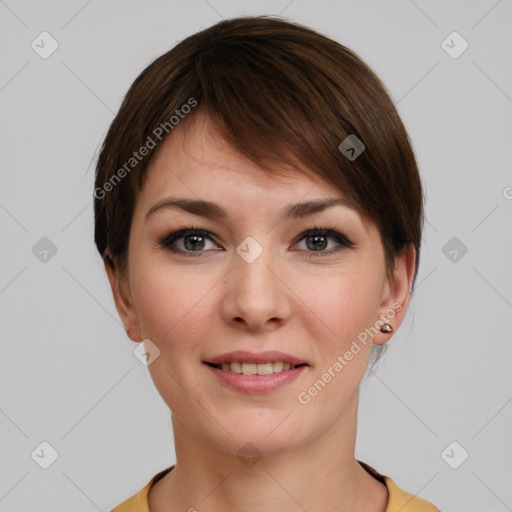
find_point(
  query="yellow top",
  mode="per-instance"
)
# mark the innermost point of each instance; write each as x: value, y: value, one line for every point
x: 398, y: 500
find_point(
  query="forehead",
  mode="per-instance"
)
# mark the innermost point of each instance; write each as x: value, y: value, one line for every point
x: 196, y: 159
x: 196, y: 163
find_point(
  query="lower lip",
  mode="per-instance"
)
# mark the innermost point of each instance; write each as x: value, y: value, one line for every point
x: 257, y: 383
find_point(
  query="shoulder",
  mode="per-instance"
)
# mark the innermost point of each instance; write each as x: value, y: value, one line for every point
x: 406, y: 502
x: 139, y: 502
x: 400, y: 500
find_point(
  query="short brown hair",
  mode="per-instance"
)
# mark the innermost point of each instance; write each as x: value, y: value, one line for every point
x: 278, y: 92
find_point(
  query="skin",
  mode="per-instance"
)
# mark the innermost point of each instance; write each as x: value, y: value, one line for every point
x: 193, y: 308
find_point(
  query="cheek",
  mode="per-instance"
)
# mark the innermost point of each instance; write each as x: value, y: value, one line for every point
x: 172, y: 309
x: 339, y: 305
x: 172, y: 306
x: 338, y: 310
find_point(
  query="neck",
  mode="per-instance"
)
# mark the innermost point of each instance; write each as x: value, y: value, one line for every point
x: 319, y: 475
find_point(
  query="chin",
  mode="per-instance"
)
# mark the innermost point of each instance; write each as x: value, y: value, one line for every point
x: 256, y: 433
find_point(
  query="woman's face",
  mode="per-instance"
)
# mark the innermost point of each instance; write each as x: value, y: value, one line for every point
x: 253, y: 282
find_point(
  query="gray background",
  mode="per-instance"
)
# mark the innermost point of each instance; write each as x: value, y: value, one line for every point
x: 68, y: 373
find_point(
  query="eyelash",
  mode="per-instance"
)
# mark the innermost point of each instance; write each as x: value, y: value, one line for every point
x: 328, y: 231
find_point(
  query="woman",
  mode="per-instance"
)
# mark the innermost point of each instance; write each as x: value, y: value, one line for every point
x: 259, y: 212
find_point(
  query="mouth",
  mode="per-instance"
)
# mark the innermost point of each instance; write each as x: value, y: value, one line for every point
x: 256, y: 377
x: 244, y: 368
x: 256, y: 372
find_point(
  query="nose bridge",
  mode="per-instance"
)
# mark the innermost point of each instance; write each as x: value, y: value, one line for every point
x: 255, y: 293
x: 252, y: 262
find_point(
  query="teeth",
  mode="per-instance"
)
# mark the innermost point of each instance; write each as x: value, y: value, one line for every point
x: 259, y: 369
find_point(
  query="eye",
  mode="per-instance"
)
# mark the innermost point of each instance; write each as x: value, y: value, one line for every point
x: 316, y: 241
x: 190, y: 241
x: 187, y: 241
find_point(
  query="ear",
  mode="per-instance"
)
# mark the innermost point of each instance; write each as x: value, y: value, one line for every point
x: 396, y: 294
x: 123, y: 298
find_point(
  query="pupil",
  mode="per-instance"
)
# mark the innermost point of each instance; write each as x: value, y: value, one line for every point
x: 196, y: 244
x: 315, y: 239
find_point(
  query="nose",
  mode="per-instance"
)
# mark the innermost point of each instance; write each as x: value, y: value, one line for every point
x: 256, y: 295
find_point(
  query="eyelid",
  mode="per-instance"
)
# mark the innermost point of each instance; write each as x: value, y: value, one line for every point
x: 181, y: 232
x: 327, y: 230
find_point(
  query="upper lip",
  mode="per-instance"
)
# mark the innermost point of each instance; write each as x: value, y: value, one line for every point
x: 242, y: 356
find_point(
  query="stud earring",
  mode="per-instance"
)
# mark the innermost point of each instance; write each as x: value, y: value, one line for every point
x: 386, y: 328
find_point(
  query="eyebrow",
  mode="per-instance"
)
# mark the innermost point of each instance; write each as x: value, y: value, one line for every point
x: 214, y: 211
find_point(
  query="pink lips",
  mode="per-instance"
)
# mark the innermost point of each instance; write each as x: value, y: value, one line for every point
x: 257, y: 383
x: 242, y: 356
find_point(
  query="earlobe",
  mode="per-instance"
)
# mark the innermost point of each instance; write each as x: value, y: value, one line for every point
x: 396, y: 295
x: 122, y: 298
